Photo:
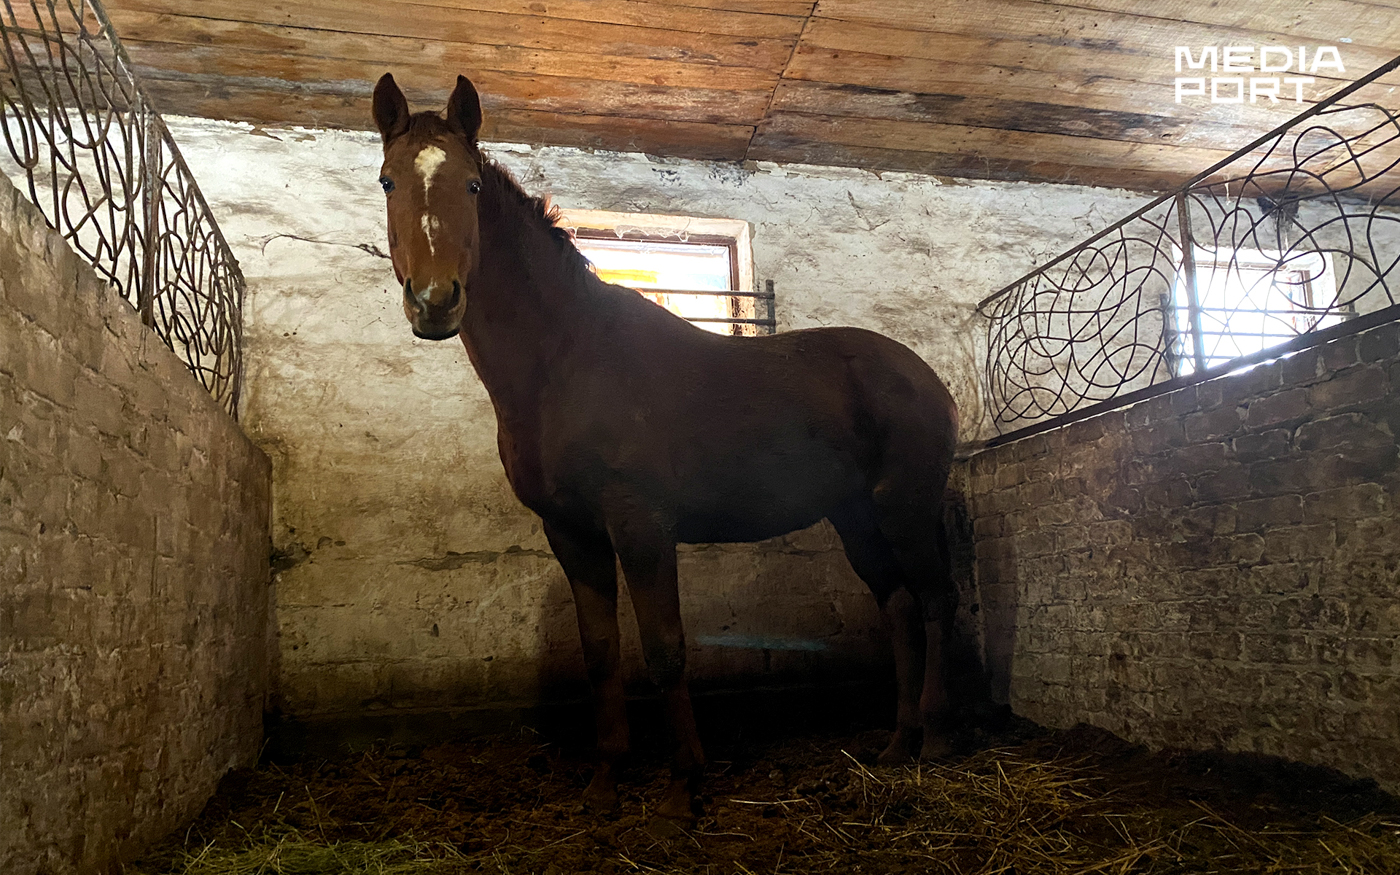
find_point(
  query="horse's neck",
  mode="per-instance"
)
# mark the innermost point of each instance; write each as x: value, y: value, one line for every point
x: 528, y: 300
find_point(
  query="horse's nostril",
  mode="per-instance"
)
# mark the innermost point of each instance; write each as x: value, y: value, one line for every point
x: 412, y: 299
x: 456, y: 295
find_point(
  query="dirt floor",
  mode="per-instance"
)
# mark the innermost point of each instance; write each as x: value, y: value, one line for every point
x: 1028, y: 801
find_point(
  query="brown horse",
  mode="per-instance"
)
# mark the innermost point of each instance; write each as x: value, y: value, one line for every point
x: 629, y: 430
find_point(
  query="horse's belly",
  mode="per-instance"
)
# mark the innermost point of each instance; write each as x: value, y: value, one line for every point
x: 731, y: 528
x: 763, y: 504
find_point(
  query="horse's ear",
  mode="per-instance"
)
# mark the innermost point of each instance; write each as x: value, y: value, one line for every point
x: 390, y: 108
x: 464, y: 110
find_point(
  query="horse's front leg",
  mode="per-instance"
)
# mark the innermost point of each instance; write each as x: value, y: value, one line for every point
x: 648, y: 557
x: 590, y: 564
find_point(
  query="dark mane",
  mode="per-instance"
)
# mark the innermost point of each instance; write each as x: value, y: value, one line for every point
x: 537, y: 209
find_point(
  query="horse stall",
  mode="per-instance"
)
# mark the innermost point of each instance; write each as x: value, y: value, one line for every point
x: 317, y: 515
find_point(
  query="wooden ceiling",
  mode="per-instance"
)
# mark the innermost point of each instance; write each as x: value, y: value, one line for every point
x: 1020, y: 89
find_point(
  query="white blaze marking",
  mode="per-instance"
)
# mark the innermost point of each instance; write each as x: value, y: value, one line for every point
x: 427, y: 164
x: 430, y: 228
x: 429, y: 159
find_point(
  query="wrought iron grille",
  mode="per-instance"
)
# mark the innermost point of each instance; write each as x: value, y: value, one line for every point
x: 92, y: 153
x: 1287, y: 243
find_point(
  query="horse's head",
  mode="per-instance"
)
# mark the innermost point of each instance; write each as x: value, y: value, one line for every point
x: 431, y: 177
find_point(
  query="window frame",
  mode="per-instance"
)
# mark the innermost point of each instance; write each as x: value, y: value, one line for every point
x: 734, y: 234
x: 1211, y: 266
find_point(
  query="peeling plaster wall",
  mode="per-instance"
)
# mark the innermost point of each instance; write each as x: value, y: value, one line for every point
x: 411, y: 578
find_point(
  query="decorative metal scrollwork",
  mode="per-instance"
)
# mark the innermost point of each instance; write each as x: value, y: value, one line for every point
x: 82, y: 139
x: 1283, y: 243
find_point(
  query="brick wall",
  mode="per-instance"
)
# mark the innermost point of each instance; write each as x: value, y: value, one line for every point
x: 1216, y: 567
x: 134, y: 522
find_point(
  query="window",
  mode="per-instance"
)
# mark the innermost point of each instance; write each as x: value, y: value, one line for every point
x: 699, y: 269
x: 1250, y: 300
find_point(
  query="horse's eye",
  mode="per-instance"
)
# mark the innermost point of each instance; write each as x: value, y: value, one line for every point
x: 387, y: 183
x: 474, y: 186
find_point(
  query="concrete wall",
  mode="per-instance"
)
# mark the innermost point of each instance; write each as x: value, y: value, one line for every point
x: 133, y: 570
x: 1216, y: 567
x: 412, y: 577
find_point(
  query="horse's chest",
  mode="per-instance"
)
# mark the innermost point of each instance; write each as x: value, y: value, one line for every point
x: 520, y: 455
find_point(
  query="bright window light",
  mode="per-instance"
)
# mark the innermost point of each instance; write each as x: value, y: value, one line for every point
x: 673, y: 266
x: 1250, y: 300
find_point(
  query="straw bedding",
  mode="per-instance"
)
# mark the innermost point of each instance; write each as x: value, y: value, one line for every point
x: 1070, y: 802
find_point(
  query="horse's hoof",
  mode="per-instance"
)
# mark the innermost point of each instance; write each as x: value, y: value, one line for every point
x: 599, y: 800
x: 935, y: 747
x: 682, y: 809
x: 900, y: 750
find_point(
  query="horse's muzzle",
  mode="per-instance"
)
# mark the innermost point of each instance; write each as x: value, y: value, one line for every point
x: 432, y: 322
x: 431, y: 336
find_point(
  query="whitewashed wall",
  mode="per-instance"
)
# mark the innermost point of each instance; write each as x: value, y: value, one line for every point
x: 412, y: 579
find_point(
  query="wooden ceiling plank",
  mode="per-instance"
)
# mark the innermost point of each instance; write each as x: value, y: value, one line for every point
x: 638, y: 13
x: 1156, y: 67
x: 783, y: 149
x: 180, y: 32
x: 1083, y: 89
x: 986, y: 142
x: 624, y: 134
x: 1317, y: 23
x: 407, y: 19
x: 802, y: 8
x: 819, y: 98
x: 616, y: 133
x: 213, y: 68
x: 1061, y: 28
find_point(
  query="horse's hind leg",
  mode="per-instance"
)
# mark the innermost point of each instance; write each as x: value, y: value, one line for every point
x: 592, y: 571
x: 874, y: 561
x: 909, y: 513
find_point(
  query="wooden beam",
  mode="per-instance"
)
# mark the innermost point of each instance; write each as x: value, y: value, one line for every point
x: 1077, y: 88
x: 801, y: 8
x: 859, y: 101
x: 637, y: 13
x: 1148, y: 38
x: 771, y: 145
x: 1339, y: 23
x: 409, y: 19
x: 180, y: 32
x: 342, y: 111
x: 988, y: 142
x: 218, y: 67
x: 1154, y: 67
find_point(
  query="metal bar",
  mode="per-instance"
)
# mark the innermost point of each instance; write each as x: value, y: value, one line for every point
x: 150, y: 179
x: 1204, y: 174
x: 727, y: 321
x: 1188, y: 266
x: 648, y: 290
x: 1318, y: 337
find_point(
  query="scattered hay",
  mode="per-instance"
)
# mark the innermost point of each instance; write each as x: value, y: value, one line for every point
x: 1001, y: 812
x: 294, y: 854
x: 797, y: 807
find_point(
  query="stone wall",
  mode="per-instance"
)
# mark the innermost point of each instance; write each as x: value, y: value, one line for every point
x: 134, y: 522
x: 1215, y: 567
x: 412, y: 579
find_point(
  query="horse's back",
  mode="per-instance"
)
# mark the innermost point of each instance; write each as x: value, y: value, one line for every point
x: 891, y: 383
